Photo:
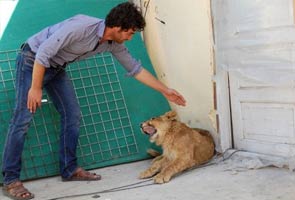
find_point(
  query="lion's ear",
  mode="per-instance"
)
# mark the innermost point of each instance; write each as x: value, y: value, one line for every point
x: 171, y: 115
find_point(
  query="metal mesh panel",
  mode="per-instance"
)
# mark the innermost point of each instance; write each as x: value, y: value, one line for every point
x: 106, y: 130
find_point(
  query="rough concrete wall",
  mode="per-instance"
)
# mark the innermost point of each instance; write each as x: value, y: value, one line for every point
x: 178, y: 37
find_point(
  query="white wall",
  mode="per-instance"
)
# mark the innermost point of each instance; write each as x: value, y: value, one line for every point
x: 6, y: 10
x: 181, y: 53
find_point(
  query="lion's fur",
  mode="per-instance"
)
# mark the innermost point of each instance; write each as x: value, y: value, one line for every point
x: 183, y: 147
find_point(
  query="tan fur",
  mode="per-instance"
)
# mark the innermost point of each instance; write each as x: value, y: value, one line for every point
x: 183, y: 147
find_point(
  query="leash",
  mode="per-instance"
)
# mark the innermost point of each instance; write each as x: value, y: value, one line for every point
x: 115, y: 189
x: 213, y: 161
x: 140, y: 183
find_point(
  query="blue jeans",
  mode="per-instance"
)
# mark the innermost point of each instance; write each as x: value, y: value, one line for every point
x: 61, y: 91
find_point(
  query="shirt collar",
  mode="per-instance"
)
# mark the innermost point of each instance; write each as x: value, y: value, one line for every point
x: 101, y: 28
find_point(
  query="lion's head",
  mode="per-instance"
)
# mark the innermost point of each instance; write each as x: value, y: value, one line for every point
x: 157, y: 127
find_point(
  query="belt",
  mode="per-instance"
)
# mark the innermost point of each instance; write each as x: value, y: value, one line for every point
x: 26, y: 47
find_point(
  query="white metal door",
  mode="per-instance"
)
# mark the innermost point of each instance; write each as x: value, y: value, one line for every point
x: 263, y: 116
x: 255, y: 46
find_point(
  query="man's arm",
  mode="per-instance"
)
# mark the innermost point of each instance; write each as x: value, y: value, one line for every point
x: 35, y: 92
x: 148, y: 79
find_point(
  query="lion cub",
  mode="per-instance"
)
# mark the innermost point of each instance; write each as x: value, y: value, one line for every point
x: 183, y: 147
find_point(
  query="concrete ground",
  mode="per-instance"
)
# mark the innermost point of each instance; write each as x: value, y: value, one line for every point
x: 223, y: 181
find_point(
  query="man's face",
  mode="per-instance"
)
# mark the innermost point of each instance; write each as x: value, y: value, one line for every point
x: 122, y: 35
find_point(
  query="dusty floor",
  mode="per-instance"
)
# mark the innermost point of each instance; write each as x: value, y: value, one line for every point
x: 222, y: 181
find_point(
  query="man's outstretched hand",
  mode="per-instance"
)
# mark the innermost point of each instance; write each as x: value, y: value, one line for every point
x: 173, y: 96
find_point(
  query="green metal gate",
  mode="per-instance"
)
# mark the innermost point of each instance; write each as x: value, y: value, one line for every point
x: 112, y: 105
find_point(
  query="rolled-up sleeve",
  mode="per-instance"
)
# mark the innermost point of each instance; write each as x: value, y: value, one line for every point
x: 122, y: 54
x: 59, y: 39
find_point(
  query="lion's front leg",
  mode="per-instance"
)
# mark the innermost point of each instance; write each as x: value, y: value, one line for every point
x: 158, y: 158
x: 155, y: 167
x: 173, y: 168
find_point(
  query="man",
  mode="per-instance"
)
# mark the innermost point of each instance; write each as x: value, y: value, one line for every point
x: 41, y: 64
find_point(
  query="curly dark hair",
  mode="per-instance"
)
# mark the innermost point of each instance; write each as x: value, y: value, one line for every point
x: 127, y: 16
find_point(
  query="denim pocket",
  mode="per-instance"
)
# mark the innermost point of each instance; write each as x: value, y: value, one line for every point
x: 25, y: 62
x: 29, y: 61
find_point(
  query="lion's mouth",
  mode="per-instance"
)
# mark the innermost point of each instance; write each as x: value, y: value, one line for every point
x: 148, y: 129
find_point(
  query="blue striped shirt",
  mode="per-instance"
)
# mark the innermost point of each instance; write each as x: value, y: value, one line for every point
x: 77, y: 38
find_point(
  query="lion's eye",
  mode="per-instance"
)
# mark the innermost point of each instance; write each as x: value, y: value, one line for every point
x: 153, y: 118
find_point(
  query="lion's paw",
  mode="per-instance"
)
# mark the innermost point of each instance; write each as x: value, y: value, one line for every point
x: 145, y: 174
x: 160, y: 178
